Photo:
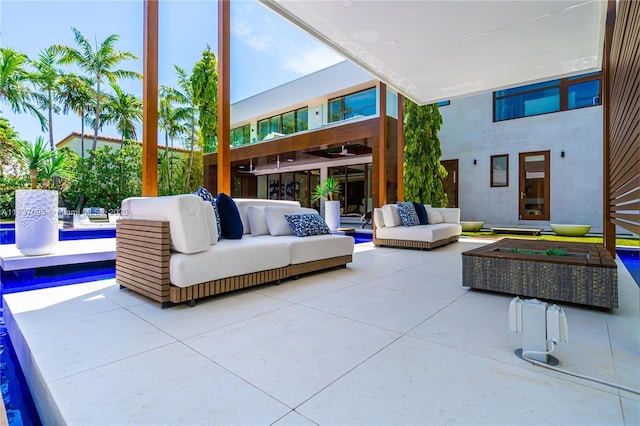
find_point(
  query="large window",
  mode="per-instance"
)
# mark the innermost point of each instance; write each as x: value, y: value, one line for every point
x: 549, y: 96
x: 284, y: 124
x: 240, y: 135
x: 356, y: 104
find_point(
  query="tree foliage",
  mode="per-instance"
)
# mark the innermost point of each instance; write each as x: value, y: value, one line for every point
x: 115, y: 175
x: 9, y: 145
x: 423, y: 172
x: 204, y: 82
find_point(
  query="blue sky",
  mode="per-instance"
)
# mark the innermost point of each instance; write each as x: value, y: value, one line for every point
x: 266, y: 50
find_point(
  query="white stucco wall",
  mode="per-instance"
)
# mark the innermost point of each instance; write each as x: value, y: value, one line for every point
x: 468, y: 132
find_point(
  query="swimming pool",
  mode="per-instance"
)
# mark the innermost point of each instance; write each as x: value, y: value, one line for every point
x: 630, y: 257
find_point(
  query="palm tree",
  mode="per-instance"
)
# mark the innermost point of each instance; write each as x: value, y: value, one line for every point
x: 35, y: 156
x: 98, y: 64
x: 75, y: 93
x: 124, y: 110
x: 170, y: 121
x: 46, y: 77
x: 187, y: 110
x: 13, y: 84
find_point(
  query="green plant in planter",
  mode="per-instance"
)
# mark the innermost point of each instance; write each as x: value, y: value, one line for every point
x: 555, y: 251
x: 34, y: 157
x: 57, y: 167
x: 326, y: 190
x: 523, y: 251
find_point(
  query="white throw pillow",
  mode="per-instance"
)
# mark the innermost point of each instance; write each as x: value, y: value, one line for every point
x: 257, y: 220
x: 434, y: 216
x: 276, y: 221
x: 210, y: 216
x: 390, y: 215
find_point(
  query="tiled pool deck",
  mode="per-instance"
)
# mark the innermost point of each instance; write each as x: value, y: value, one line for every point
x: 392, y: 339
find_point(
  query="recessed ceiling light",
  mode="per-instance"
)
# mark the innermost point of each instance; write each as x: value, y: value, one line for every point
x: 392, y: 42
x: 289, y: 159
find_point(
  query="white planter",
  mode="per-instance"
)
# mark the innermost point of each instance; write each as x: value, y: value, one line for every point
x: 332, y: 215
x: 36, y: 221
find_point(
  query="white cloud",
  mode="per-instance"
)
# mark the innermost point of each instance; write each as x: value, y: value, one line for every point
x: 308, y: 61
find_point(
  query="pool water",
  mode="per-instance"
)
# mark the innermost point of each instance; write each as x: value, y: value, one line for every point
x: 630, y: 257
x: 362, y: 237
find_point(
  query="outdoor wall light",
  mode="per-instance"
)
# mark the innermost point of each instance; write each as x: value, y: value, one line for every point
x: 475, y: 161
x: 317, y: 112
x: 562, y: 154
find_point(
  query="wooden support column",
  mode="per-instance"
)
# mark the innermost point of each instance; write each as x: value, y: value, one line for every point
x: 400, y: 142
x: 381, y: 152
x: 224, y: 116
x: 150, y: 100
x: 608, y: 228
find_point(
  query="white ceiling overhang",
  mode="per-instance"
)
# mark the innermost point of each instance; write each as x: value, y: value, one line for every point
x: 435, y: 50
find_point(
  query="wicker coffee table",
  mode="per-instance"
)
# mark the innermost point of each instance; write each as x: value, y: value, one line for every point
x: 588, y: 275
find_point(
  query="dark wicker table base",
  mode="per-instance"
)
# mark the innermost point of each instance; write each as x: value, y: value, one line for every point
x: 590, y: 277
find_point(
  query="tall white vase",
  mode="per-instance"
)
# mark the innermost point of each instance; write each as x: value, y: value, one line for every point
x: 332, y: 215
x: 36, y: 221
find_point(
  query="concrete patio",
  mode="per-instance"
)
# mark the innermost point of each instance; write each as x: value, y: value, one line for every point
x: 392, y: 339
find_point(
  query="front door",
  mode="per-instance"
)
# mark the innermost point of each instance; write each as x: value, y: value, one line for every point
x: 534, y: 185
x: 450, y: 183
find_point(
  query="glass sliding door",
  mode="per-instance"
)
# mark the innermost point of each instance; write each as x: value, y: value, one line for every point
x: 535, y: 185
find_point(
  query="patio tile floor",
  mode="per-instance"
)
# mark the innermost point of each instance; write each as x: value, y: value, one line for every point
x: 392, y: 339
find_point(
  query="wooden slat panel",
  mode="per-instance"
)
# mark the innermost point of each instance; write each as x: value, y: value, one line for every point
x: 623, y: 134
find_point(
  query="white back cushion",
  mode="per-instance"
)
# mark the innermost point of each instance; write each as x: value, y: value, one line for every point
x: 390, y: 215
x: 244, y: 203
x: 210, y: 218
x: 450, y: 215
x: 378, y: 220
x: 185, y: 214
x: 257, y: 220
x: 276, y: 221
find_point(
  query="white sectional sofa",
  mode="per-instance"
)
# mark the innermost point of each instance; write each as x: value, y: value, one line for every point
x: 168, y: 248
x: 443, y: 228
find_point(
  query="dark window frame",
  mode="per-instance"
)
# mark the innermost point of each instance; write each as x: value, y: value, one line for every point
x: 492, y: 183
x: 561, y: 84
x: 279, y: 116
x: 341, y: 98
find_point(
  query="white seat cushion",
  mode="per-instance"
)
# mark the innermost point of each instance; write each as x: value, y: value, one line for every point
x: 229, y: 258
x: 317, y: 247
x: 185, y: 214
x: 210, y: 217
x: 427, y: 233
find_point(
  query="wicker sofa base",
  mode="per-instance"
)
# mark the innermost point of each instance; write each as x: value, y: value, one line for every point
x: 591, y: 282
x: 142, y: 266
x: 422, y: 245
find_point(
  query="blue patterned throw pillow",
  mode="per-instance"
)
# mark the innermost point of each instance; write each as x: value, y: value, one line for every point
x: 204, y: 193
x: 408, y: 214
x: 305, y: 225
